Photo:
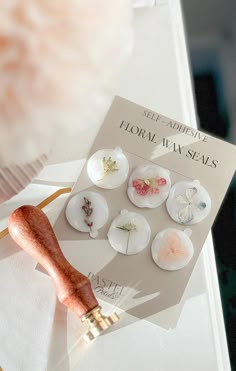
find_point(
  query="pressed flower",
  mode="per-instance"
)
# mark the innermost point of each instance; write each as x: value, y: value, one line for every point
x: 129, y: 233
x: 190, y: 202
x: 109, y: 165
x: 88, y: 210
x: 148, y: 186
x: 128, y: 227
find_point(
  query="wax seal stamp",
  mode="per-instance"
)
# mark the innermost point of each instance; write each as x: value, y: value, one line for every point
x: 108, y: 168
x: 172, y: 249
x: 188, y: 202
x: 149, y: 186
x: 30, y: 229
x: 87, y: 212
x: 129, y: 233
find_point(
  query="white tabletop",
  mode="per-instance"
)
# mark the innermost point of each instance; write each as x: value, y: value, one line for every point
x: 157, y: 77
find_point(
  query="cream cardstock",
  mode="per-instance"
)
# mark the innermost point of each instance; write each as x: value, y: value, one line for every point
x: 135, y: 283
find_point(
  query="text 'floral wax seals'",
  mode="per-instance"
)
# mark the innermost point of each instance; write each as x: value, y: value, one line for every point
x: 129, y: 233
x: 108, y: 168
x: 172, y: 249
x: 87, y: 212
x: 149, y: 186
x: 188, y: 202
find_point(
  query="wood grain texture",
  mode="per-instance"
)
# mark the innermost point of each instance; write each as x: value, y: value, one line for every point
x: 30, y: 229
x: 42, y: 204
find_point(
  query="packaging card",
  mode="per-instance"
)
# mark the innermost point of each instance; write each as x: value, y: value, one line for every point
x: 134, y: 283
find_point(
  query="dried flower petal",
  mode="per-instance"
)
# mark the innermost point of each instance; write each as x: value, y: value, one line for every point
x: 161, y: 181
x: 181, y: 199
x: 201, y: 205
x: 156, y: 190
x: 190, y: 193
x: 186, y: 214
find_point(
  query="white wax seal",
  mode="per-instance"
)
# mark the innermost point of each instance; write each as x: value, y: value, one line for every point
x: 129, y: 233
x: 149, y: 186
x: 188, y: 202
x: 87, y: 212
x: 172, y: 249
x: 108, y: 168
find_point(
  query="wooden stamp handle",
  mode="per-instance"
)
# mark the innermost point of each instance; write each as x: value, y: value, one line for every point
x: 30, y: 229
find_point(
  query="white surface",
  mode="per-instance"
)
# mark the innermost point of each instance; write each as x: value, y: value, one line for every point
x: 27, y: 302
x: 26, y: 313
x: 158, y: 77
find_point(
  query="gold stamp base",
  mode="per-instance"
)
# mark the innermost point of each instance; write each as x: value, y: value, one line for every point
x: 98, y: 323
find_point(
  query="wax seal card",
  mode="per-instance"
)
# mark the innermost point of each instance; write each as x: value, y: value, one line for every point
x: 167, y: 176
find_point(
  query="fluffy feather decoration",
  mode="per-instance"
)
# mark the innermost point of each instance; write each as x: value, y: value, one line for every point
x: 58, y: 62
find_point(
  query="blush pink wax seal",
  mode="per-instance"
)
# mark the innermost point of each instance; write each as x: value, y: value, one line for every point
x: 172, y: 249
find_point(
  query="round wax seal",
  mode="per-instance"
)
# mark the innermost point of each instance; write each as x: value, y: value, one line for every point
x: 108, y: 168
x: 87, y: 212
x: 172, y: 249
x: 149, y: 186
x: 188, y: 202
x: 129, y: 233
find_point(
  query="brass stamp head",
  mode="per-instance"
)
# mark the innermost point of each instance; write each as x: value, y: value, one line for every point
x: 98, y: 323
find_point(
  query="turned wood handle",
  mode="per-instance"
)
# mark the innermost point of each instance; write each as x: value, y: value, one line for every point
x: 30, y: 229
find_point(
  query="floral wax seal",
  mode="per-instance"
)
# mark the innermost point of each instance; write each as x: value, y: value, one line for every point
x: 149, y: 186
x: 129, y: 233
x: 108, y: 168
x: 172, y: 249
x: 188, y: 202
x: 87, y: 212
